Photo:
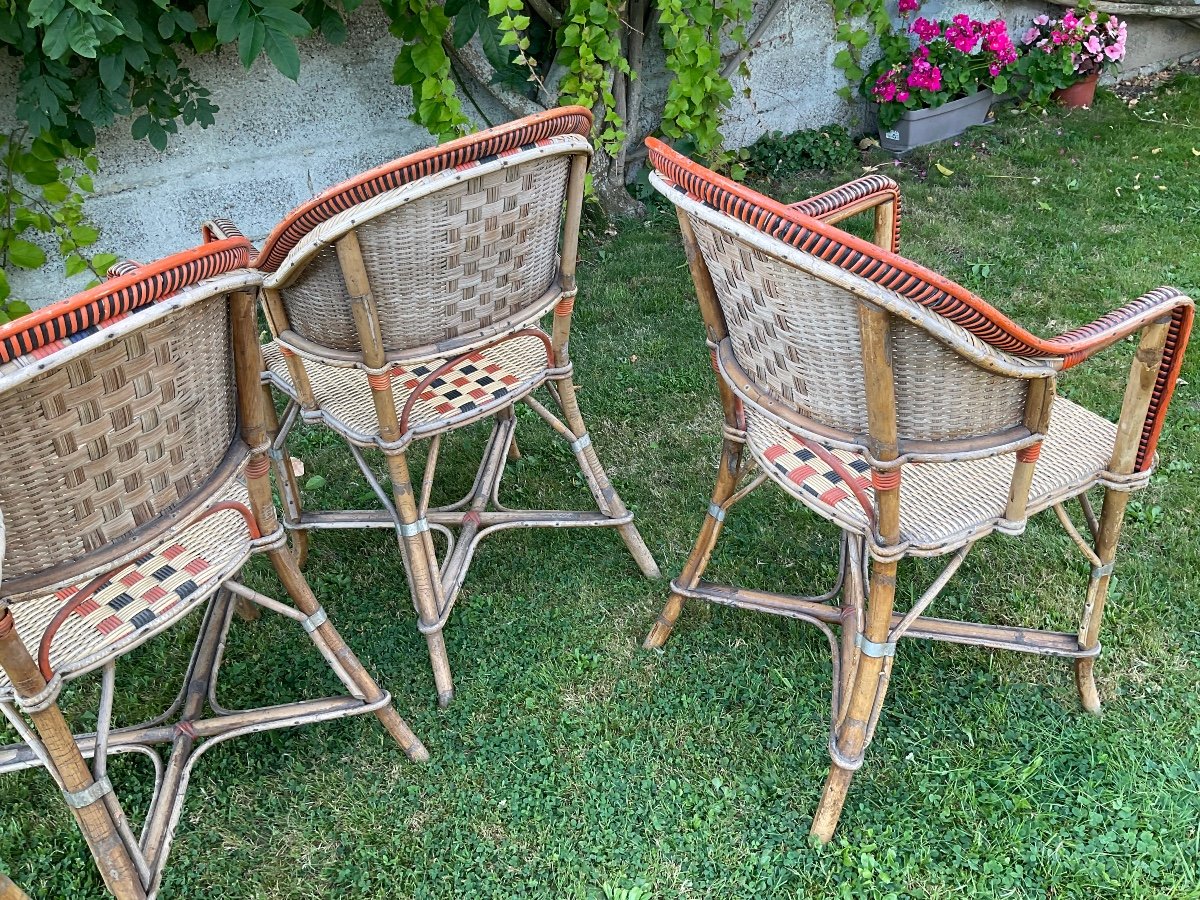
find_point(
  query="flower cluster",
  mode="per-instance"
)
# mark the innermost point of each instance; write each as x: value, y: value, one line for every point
x: 1091, y: 40
x: 934, y: 62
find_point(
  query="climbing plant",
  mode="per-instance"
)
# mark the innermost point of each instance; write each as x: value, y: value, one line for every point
x: 83, y: 65
x: 855, y: 21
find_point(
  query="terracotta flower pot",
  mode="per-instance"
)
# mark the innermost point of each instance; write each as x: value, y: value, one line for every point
x: 1081, y: 93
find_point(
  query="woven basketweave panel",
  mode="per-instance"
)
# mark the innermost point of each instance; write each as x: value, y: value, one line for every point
x: 104, y: 443
x: 797, y: 336
x: 445, y: 265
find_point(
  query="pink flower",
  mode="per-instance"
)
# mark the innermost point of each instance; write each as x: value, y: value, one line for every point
x: 1070, y: 20
x: 925, y: 30
x: 1093, y: 45
x: 1042, y: 20
x: 1115, y: 52
x: 993, y: 70
x: 1030, y: 36
x: 901, y: 96
x: 907, y: 6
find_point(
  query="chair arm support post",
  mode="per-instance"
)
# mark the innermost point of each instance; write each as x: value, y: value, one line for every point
x: 1039, y: 401
x: 1139, y: 390
x: 876, y: 192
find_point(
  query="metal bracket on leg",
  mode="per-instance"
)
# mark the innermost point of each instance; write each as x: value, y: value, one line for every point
x: 873, y: 649
x: 315, y: 621
x: 1101, y: 571
x: 89, y: 795
x: 412, y: 529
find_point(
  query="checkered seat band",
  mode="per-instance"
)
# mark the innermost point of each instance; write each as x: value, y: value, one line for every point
x: 811, y: 474
x: 139, y: 599
x: 483, y: 381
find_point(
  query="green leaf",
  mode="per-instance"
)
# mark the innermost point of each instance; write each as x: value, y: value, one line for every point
x: 282, y: 51
x: 285, y: 21
x: 250, y: 41
x: 157, y: 136
x: 1000, y: 85
x: 55, y: 192
x: 112, y: 70
x: 25, y: 255
x: 84, y: 234
x: 4, y: 289
x: 18, y: 308
x: 203, y: 40
x: 333, y: 29
x: 315, y: 483
x: 428, y: 57
x: 466, y: 23
x: 73, y: 265
x: 102, y: 262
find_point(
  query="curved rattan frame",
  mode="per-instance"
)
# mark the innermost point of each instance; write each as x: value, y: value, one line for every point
x: 233, y: 510
x: 890, y: 288
x: 335, y: 220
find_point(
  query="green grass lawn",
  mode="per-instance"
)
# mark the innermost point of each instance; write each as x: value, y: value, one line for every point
x: 575, y: 764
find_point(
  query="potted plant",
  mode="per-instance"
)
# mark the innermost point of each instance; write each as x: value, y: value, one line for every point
x: 1061, y: 59
x: 934, y: 80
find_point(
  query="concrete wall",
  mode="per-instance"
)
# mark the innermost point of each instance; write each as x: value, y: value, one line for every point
x: 277, y: 142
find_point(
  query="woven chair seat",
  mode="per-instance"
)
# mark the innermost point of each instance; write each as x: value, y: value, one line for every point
x: 479, y: 383
x: 943, y: 505
x: 141, y: 598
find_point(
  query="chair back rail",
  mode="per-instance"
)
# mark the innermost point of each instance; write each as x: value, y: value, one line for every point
x: 793, y: 325
x: 453, y: 258
x: 113, y: 438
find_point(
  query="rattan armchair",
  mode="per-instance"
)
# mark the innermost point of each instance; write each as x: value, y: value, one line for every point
x: 135, y: 487
x: 405, y: 303
x: 909, y: 412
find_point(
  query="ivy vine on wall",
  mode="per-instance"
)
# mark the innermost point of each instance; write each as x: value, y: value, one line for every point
x: 85, y: 65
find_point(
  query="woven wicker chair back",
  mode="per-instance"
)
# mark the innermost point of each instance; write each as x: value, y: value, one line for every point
x: 476, y: 251
x: 796, y: 334
x: 116, y: 427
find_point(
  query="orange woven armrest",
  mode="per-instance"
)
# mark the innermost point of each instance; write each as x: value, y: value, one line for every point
x: 855, y: 197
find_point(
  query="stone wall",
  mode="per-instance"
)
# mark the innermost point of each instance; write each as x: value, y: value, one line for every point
x: 277, y: 142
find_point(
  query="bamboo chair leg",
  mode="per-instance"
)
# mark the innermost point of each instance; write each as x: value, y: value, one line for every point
x: 728, y: 476
x: 358, y: 679
x: 1143, y: 375
x: 9, y: 891
x: 867, y: 691
x: 514, y: 452
x: 1112, y: 516
x: 99, y: 830
x: 423, y: 574
x: 289, y: 487
x: 606, y: 495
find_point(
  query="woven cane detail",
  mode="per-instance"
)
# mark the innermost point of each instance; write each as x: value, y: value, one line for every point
x: 1030, y: 454
x: 565, y: 306
x: 162, y: 584
x: 481, y: 380
x: 75, y: 318
x: 804, y: 468
x: 380, y: 382
x: 258, y: 466
x: 474, y: 148
x: 920, y: 285
x: 942, y: 505
x: 867, y: 187
x: 476, y: 254
x: 124, y: 267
